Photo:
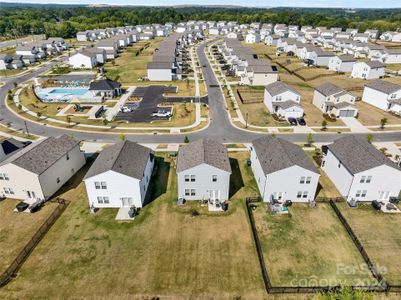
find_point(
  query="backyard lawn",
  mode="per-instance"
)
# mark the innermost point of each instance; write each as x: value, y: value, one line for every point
x: 307, y: 247
x: 16, y: 229
x: 371, y: 115
x: 380, y: 236
x: 165, y: 252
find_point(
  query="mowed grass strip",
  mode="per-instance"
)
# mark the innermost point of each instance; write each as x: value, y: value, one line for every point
x: 308, y: 247
x: 165, y: 251
x: 380, y: 236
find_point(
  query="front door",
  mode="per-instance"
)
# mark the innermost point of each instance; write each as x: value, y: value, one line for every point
x: 214, y: 194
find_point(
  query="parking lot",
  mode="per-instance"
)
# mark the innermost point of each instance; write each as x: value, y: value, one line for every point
x: 152, y: 97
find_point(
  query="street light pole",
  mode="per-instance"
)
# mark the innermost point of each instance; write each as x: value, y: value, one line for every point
x: 246, y: 126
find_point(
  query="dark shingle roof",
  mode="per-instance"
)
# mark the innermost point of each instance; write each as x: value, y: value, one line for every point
x: 358, y: 155
x: 328, y: 89
x: 383, y: 86
x: 276, y: 154
x: 203, y: 151
x: 374, y: 64
x: 279, y: 87
x: 127, y: 158
x: 104, y: 85
x: 40, y: 156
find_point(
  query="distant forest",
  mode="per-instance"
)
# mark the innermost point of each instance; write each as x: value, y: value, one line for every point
x: 65, y: 20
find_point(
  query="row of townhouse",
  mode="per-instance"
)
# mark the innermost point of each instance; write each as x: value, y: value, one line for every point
x: 32, y: 52
x: 245, y: 64
x: 167, y: 61
x: 121, y: 174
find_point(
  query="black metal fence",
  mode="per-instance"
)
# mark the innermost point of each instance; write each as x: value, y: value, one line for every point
x: 16, y: 264
x: 381, y: 286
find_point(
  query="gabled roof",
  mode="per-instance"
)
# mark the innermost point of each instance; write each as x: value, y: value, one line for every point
x: 39, y: 156
x: 275, y: 154
x: 358, y: 155
x: 374, y: 64
x: 347, y: 58
x: 127, y: 158
x: 328, y: 89
x: 279, y: 87
x: 203, y: 151
x: 383, y: 86
x: 104, y: 85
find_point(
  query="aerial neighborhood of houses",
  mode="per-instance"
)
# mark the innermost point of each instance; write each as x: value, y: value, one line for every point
x: 215, y: 119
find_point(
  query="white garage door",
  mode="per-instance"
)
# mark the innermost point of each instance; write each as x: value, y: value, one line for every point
x: 347, y: 113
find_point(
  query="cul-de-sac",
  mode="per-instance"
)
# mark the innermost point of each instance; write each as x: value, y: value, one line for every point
x: 185, y: 150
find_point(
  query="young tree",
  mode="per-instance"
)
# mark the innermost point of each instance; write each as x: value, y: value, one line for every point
x: 122, y: 136
x: 105, y: 122
x: 369, y: 137
x: 186, y: 140
x: 324, y: 125
x: 39, y: 114
x: 309, y: 139
x: 383, y: 122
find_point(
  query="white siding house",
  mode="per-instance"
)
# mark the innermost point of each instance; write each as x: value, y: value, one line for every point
x: 283, y: 100
x: 39, y: 170
x: 203, y: 171
x: 360, y: 171
x: 120, y: 176
x: 334, y: 101
x: 368, y: 70
x: 384, y: 95
x: 283, y: 171
x: 83, y: 60
x: 160, y: 71
x: 252, y: 38
x: 342, y: 63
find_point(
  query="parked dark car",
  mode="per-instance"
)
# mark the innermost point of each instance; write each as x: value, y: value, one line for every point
x: 21, y: 206
x: 292, y: 121
x: 301, y: 121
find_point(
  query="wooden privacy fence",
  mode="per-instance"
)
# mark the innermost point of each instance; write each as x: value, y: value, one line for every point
x: 16, y: 264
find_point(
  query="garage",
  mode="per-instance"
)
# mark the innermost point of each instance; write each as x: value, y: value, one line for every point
x: 347, y: 113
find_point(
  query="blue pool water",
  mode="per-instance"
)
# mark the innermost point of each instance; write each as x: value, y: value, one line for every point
x: 75, y: 92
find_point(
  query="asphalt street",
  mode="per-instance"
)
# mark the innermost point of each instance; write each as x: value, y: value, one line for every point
x: 220, y: 127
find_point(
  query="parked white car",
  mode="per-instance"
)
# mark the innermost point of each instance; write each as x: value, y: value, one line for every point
x: 126, y: 109
x: 162, y: 114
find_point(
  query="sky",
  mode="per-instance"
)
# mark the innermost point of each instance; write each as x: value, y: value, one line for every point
x: 258, y: 3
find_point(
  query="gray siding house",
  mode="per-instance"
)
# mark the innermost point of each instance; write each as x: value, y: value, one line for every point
x: 203, y: 170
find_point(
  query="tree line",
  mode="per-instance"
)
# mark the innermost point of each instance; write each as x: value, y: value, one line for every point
x: 66, y: 20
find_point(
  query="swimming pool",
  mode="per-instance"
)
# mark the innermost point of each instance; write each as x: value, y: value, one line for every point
x: 66, y: 91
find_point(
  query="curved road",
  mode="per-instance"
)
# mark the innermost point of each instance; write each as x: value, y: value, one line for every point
x: 220, y: 127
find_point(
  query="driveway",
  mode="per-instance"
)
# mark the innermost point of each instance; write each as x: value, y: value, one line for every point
x: 354, y: 125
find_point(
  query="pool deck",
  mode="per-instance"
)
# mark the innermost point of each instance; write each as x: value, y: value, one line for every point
x: 90, y: 114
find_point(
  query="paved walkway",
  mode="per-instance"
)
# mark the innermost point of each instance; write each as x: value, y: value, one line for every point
x: 354, y: 125
x: 113, y: 111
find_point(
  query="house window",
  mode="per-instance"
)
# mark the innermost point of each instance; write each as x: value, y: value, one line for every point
x: 364, y: 192
x: 97, y: 185
x: 68, y: 156
x: 104, y: 185
x: 305, y: 194
x: 4, y: 176
x: 1, y: 176
x: 299, y: 195
x: 103, y: 200
x: 58, y: 180
x: 192, y: 178
x: 393, y: 96
x: 308, y: 179
x: 339, y: 165
x: 186, y: 178
x: 278, y: 98
x: 193, y: 192
x: 358, y: 193
x: 368, y: 179
x: 6, y: 190
x: 11, y: 191
x: 302, y: 181
x: 363, y: 178
x: 187, y: 192
x: 214, y: 178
